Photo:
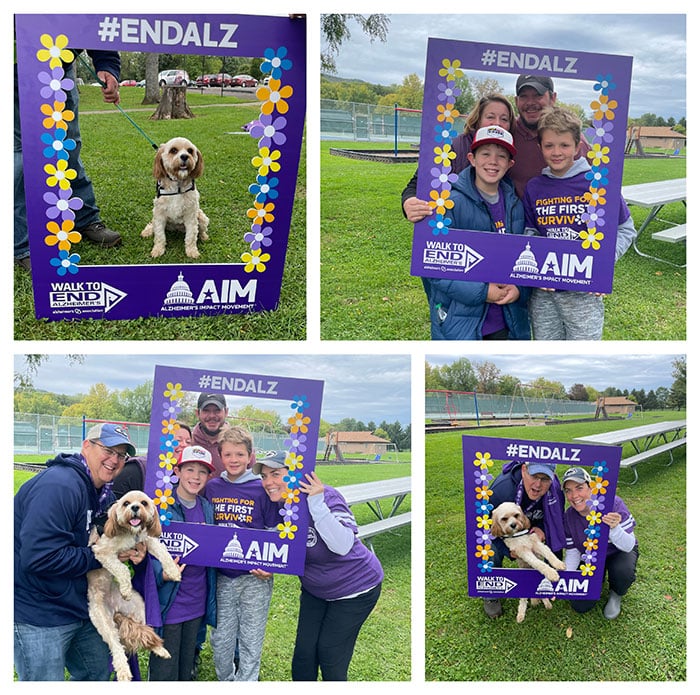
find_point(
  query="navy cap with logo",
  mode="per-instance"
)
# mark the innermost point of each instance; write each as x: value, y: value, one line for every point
x: 540, y: 83
x: 578, y: 475
x: 206, y: 399
x: 111, y: 434
x: 271, y: 459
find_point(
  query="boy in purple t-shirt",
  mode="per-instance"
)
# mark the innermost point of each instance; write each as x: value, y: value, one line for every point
x: 242, y: 597
x: 556, y: 206
x: 622, y: 551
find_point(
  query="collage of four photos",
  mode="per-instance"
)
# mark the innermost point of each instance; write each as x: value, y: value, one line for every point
x: 240, y: 452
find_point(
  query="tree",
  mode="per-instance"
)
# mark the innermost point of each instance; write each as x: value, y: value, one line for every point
x: 578, y: 392
x: 677, y: 396
x: 459, y: 376
x: 152, y: 90
x: 100, y: 403
x: 488, y: 376
x: 334, y: 31
x: 137, y: 402
x: 409, y: 95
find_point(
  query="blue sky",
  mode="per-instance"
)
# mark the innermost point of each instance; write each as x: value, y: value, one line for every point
x: 657, y: 43
x: 364, y: 387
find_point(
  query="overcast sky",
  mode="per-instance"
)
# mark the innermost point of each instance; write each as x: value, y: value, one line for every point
x: 364, y: 387
x: 627, y: 371
x: 657, y: 43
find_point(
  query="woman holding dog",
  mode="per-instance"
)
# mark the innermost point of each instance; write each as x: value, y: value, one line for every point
x: 622, y: 551
x: 342, y: 578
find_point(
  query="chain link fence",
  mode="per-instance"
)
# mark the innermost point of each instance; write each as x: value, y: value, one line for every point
x: 456, y: 405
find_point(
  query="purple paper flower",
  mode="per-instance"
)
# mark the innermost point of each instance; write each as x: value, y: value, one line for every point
x: 61, y: 204
x: 269, y: 129
x: 600, y: 132
x: 594, y: 216
x: 448, y: 92
x: 55, y: 84
x: 289, y: 513
x: 258, y: 236
x: 166, y: 479
x: 170, y: 409
x: 443, y: 178
x: 296, y: 442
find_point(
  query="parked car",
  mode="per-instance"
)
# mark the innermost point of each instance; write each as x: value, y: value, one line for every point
x: 243, y: 81
x: 176, y: 77
x: 127, y: 83
x: 205, y: 80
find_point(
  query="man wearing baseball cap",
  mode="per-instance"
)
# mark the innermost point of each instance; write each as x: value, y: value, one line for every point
x: 622, y: 550
x: 535, y: 487
x: 533, y: 94
x: 212, y: 412
x: 54, y: 513
x: 483, y: 201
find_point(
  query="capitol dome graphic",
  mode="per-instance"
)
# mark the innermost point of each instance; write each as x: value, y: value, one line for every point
x: 526, y: 262
x: 179, y: 293
x: 545, y: 587
x: 234, y: 548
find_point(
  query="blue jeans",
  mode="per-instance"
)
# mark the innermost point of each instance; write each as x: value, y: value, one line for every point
x: 81, y: 185
x: 43, y: 653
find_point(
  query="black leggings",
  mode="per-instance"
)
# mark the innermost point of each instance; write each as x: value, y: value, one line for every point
x: 181, y: 641
x: 621, y: 569
x: 326, y: 634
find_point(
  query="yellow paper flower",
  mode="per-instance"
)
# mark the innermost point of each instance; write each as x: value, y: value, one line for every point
x: 55, y: 52
x: 591, y: 238
x: 173, y: 391
x: 266, y: 161
x: 59, y: 175
x: 450, y: 70
x: 255, y: 260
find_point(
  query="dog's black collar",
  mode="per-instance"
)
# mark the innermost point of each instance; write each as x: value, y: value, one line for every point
x: 179, y: 191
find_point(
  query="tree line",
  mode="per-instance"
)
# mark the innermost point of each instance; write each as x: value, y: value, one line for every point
x: 486, y: 378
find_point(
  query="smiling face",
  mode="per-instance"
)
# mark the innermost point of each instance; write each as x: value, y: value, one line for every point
x: 273, y: 482
x: 508, y: 518
x: 535, y: 485
x: 235, y: 458
x: 495, y: 113
x: 212, y: 418
x: 183, y: 438
x: 193, y: 477
x: 558, y: 150
x: 577, y: 495
x: 105, y: 463
x: 530, y: 104
x: 490, y: 162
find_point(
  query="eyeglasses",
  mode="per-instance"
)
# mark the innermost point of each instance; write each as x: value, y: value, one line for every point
x: 121, y: 456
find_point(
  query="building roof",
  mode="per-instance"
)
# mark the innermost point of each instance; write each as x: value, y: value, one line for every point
x: 617, y: 400
x: 648, y: 131
x: 364, y: 437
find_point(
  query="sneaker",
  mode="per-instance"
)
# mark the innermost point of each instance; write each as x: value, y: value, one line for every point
x: 24, y: 263
x: 613, y: 606
x: 99, y: 233
x: 493, y: 608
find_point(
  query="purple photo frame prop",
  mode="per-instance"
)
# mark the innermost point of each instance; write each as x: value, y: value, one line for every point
x: 281, y: 550
x: 442, y: 251
x: 65, y: 289
x: 480, y: 455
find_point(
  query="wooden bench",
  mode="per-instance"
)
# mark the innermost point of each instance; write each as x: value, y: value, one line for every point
x: 632, y: 461
x: 672, y: 235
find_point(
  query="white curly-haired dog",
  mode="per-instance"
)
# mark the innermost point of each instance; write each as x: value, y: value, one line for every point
x: 177, y: 164
x: 512, y: 525
x: 116, y: 610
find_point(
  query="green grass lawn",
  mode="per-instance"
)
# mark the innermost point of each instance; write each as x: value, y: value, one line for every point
x: 367, y: 292
x: 383, y: 650
x: 646, y: 643
x: 119, y: 160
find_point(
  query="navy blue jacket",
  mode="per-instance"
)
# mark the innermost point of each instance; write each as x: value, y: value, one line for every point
x: 458, y: 307
x: 53, y: 514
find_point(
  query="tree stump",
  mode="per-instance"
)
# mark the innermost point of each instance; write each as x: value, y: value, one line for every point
x: 173, y: 104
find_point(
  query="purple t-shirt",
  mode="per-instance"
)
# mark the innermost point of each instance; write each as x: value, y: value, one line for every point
x: 241, y: 504
x: 191, y: 598
x: 328, y: 575
x: 495, y: 320
x: 557, y: 209
x: 575, y: 526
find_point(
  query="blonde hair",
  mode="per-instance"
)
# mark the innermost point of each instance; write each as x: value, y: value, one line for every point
x: 561, y: 121
x: 474, y: 116
x: 235, y: 435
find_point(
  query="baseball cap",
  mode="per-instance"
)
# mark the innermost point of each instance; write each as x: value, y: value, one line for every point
x: 549, y: 469
x: 271, y: 459
x: 576, y: 474
x: 493, y: 134
x: 196, y: 454
x: 206, y: 399
x: 111, y: 434
x: 538, y: 82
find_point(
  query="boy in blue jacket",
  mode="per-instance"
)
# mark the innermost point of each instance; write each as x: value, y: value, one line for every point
x: 483, y: 201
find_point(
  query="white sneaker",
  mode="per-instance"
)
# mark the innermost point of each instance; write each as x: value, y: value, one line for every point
x: 613, y: 606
